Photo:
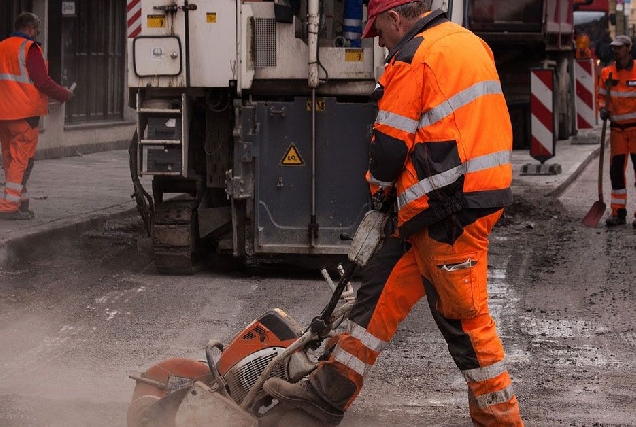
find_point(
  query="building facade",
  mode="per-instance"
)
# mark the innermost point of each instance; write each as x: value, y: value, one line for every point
x: 84, y: 42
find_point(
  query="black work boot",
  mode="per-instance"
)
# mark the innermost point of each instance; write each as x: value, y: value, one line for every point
x: 620, y: 218
x: 303, y: 396
x: 15, y: 215
x: 24, y: 207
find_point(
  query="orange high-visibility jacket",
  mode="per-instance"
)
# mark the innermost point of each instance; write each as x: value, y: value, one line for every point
x: 442, y: 136
x: 20, y: 98
x: 622, y: 93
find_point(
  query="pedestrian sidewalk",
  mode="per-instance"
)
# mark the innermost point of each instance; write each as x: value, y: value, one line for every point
x: 573, y: 155
x: 69, y: 196
x: 73, y: 194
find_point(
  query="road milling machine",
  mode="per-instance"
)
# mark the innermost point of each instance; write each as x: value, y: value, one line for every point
x: 255, y: 116
x: 253, y: 120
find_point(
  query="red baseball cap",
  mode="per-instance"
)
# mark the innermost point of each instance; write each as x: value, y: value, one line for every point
x: 376, y: 7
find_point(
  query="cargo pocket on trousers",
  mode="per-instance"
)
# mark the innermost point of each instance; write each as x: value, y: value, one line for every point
x: 455, y: 280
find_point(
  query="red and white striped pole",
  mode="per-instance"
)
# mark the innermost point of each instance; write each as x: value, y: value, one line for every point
x: 542, y: 120
x: 133, y: 18
x: 585, y: 105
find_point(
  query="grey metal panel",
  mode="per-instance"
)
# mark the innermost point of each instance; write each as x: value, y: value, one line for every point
x: 283, y: 193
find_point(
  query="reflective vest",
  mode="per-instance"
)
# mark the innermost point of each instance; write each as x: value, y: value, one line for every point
x: 20, y: 98
x: 442, y: 136
x: 622, y: 94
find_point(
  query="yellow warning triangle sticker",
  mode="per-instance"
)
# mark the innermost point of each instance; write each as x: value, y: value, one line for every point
x: 292, y: 157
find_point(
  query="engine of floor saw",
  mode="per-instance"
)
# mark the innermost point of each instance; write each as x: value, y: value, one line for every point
x: 253, y: 120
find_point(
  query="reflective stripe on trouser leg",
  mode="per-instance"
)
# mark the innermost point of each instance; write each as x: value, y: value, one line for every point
x: 391, y: 285
x: 22, y: 143
x: 619, y: 148
x: 455, y: 279
x: 12, y: 194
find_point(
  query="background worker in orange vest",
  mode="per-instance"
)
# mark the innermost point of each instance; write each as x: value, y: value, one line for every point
x: 25, y: 86
x: 621, y: 112
x: 583, y: 50
x: 442, y: 141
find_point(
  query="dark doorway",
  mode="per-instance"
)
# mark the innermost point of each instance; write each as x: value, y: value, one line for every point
x: 92, y: 49
x: 9, y: 11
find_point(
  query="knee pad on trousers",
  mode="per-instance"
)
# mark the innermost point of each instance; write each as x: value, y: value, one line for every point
x: 617, y: 171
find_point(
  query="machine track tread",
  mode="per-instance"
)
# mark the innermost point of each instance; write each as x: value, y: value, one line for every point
x: 174, y: 237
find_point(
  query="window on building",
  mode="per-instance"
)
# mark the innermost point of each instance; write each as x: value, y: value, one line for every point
x: 92, y: 49
x: 9, y: 11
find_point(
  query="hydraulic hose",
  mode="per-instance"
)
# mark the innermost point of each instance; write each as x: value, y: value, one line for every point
x: 145, y: 204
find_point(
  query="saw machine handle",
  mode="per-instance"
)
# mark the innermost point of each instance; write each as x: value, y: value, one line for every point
x: 367, y: 239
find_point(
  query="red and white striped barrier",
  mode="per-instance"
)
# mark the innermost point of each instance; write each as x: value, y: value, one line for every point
x: 133, y: 18
x: 585, y: 106
x: 542, y: 120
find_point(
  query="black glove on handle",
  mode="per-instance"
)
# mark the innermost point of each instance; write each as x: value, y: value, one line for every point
x: 605, y: 114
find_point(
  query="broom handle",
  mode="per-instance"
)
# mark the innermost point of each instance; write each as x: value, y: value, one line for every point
x: 601, y: 156
x: 601, y: 160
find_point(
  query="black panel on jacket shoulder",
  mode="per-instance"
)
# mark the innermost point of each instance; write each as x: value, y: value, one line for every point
x: 407, y: 52
x: 435, y: 157
x: 387, y: 156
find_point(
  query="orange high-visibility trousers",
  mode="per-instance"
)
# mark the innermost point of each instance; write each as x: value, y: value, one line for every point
x: 19, y: 141
x: 448, y: 263
x: 622, y: 146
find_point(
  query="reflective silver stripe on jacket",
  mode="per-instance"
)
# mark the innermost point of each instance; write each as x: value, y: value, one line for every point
x: 445, y: 178
x: 628, y: 116
x: 367, y: 339
x: 465, y: 97
x: 485, y: 373
x: 495, y: 398
x: 23, y: 77
x: 619, y: 94
x: 349, y: 360
x: 396, y: 121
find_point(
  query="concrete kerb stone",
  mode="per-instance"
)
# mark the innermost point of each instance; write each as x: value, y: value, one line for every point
x: 19, y: 249
x: 575, y: 174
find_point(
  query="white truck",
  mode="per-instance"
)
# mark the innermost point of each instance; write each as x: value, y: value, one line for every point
x: 257, y: 114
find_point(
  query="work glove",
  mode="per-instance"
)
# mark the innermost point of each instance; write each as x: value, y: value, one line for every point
x: 605, y: 114
x: 383, y: 199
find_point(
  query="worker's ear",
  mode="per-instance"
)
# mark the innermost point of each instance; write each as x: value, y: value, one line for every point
x: 394, y: 19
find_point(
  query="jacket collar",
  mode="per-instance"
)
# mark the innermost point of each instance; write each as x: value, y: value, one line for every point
x: 24, y: 36
x: 433, y: 18
x: 630, y: 66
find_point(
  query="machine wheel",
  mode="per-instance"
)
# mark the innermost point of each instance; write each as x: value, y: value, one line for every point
x: 565, y: 101
x: 147, y: 395
x: 174, y: 237
x: 136, y: 416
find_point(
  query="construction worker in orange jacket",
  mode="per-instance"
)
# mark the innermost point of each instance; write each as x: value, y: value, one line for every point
x: 442, y: 140
x: 621, y: 112
x: 25, y: 86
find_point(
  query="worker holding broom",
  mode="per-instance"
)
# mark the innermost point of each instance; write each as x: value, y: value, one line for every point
x: 620, y: 78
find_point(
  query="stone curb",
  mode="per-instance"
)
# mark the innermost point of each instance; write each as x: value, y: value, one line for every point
x: 16, y: 250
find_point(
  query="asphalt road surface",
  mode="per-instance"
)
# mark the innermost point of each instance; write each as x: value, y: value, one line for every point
x: 82, y: 314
